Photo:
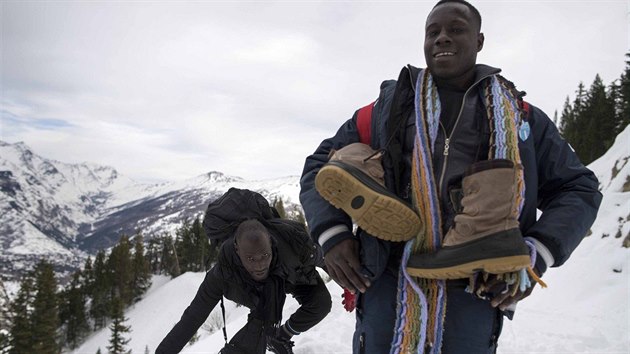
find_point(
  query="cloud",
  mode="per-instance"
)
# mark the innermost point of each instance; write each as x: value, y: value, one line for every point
x: 18, y: 123
x: 169, y: 90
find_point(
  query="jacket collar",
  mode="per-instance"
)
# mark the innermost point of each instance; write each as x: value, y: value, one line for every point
x: 409, y: 74
x: 482, y: 71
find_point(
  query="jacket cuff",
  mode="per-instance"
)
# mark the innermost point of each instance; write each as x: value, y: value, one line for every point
x: 285, y: 332
x: 540, y: 267
x: 544, y: 258
x: 334, y: 235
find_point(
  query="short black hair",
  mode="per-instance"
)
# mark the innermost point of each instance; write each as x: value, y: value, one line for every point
x: 476, y: 14
x: 251, y: 226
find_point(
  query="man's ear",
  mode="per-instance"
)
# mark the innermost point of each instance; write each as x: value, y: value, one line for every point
x: 480, y: 39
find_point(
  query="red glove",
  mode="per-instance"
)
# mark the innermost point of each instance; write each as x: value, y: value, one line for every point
x: 349, y: 301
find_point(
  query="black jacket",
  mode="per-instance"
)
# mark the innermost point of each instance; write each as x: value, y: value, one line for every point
x: 228, y: 278
x: 556, y: 181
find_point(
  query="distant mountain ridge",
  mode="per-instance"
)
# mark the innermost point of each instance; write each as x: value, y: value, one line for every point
x: 62, y: 212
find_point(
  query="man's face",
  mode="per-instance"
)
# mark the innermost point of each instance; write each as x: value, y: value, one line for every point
x: 255, y: 253
x: 451, y: 43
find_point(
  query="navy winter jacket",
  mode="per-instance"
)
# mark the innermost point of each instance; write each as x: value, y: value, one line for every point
x: 557, y: 183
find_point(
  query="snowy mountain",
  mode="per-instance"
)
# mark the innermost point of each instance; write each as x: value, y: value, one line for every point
x: 585, y: 309
x: 62, y: 212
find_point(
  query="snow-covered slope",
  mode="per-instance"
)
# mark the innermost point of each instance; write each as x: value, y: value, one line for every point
x: 585, y: 309
x: 59, y: 211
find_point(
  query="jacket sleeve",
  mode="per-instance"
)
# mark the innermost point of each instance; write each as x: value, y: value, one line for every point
x: 315, y: 304
x: 209, y: 293
x: 568, y: 194
x: 328, y: 225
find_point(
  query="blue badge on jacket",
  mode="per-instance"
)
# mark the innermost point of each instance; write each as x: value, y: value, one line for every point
x: 523, y: 132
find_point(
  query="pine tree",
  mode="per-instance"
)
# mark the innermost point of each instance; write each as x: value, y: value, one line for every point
x: 87, y: 276
x: 99, y: 292
x: 153, y: 255
x: 279, y: 205
x: 601, y: 121
x: 45, y: 316
x: 567, y: 120
x: 168, y: 256
x: 73, y: 312
x: 5, y: 342
x: 299, y: 217
x: 117, y: 340
x: 623, y: 110
x: 580, y: 99
x: 185, y: 246
x: 21, y: 327
x: 119, y: 268
x: 5, y: 323
x: 203, y: 253
x: 575, y: 135
x: 593, y: 121
x: 191, y: 246
x: 614, y: 95
x: 141, y: 273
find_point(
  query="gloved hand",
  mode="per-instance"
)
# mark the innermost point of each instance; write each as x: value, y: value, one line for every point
x: 503, y: 290
x: 280, y: 343
x: 349, y: 301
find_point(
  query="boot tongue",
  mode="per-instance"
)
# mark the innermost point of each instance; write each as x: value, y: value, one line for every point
x: 362, y: 157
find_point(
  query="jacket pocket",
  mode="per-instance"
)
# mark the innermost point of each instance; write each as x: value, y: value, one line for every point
x: 374, y: 254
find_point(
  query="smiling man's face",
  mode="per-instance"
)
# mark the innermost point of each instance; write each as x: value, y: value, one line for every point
x: 452, y: 40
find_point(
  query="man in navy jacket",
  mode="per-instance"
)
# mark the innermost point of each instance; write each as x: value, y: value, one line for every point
x: 556, y: 183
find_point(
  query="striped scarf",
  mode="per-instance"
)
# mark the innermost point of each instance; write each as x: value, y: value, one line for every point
x: 422, y: 302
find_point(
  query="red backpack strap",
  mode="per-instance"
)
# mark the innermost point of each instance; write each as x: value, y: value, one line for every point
x: 525, y: 107
x: 364, y: 123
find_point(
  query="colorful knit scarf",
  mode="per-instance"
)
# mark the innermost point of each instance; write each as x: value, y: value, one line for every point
x: 422, y: 302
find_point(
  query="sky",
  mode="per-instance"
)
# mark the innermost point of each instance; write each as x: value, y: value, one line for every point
x: 168, y: 90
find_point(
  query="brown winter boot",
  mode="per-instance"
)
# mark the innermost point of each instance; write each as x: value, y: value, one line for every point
x: 485, y: 235
x: 353, y: 181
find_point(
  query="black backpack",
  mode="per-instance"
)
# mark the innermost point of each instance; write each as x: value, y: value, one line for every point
x: 223, y: 216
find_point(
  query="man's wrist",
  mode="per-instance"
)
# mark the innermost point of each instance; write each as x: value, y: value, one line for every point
x: 544, y: 258
x: 334, y: 235
x: 285, y: 332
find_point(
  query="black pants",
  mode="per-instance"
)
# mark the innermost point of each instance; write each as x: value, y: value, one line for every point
x: 248, y: 340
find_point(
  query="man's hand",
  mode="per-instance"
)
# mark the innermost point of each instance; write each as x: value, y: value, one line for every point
x: 500, y: 294
x: 343, y: 265
x: 279, y: 345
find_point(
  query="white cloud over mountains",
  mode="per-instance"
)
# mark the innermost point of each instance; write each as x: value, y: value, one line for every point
x: 166, y: 90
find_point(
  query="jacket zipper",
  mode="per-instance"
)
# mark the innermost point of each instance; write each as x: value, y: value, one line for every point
x: 447, y: 139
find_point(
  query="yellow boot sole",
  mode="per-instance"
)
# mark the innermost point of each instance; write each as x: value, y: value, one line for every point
x: 371, y: 206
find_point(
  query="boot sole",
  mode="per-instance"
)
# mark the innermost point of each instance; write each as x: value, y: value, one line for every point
x: 372, y: 207
x: 501, y: 252
x: 494, y: 266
